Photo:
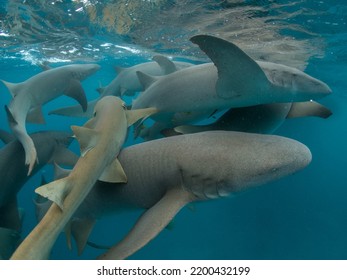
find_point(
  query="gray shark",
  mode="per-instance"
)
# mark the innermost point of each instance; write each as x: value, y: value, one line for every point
x: 30, y: 95
x: 257, y: 119
x: 166, y: 174
x: 233, y: 80
x: 126, y: 83
x: 100, y: 139
x: 51, y: 147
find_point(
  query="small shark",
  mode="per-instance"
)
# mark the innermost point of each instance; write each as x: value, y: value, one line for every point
x: 166, y: 174
x: 126, y: 83
x: 233, y: 80
x: 100, y: 139
x: 257, y: 119
x: 51, y: 147
x: 29, y: 96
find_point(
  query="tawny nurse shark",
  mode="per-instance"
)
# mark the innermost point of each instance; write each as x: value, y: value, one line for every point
x: 233, y: 80
x: 29, y: 96
x: 100, y: 139
x: 166, y: 174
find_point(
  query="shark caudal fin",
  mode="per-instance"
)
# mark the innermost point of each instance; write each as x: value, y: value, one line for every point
x: 55, y: 191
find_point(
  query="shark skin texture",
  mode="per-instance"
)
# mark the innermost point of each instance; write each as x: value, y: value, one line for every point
x: 100, y: 139
x: 166, y: 174
x: 29, y: 96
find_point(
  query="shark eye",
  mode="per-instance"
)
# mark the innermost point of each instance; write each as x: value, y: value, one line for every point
x: 94, y: 114
x: 124, y: 106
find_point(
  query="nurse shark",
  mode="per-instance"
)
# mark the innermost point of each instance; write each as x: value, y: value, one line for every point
x: 233, y: 80
x: 100, y: 139
x: 51, y: 147
x: 166, y: 174
x: 29, y: 96
x: 126, y: 83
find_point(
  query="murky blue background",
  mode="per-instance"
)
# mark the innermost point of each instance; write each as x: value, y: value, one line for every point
x: 303, y: 216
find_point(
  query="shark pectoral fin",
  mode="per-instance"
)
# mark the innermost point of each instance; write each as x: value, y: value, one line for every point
x: 308, y: 109
x: 150, y: 224
x: 166, y: 65
x: 64, y: 156
x: 35, y: 116
x: 75, y: 91
x: 87, y: 138
x: 80, y: 230
x: 237, y: 72
x: 55, y: 191
x: 134, y: 115
x: 145, y: 80
x: 114, y: 173
x: 6, y: 137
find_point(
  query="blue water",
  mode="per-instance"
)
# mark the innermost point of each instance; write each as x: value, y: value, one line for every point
x: 303, y: 216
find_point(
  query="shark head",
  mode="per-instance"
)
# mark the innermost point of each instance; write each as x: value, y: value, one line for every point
x: 297, y: 81
x: 241, y: 161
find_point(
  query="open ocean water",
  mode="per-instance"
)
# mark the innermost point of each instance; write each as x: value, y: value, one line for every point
x: 302, y: 216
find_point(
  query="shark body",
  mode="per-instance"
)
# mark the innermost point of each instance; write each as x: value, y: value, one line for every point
x: 232, y: 80
x: 166, y: 174
x: 100, y: 139
x: 126, y: 83
x: 51, y: 147
x: 30, y: 95
x: 259, y: 118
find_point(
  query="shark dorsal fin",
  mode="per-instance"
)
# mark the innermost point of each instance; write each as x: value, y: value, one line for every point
x: 231, y: 61
x: 55, y: 191
x: 166, y: 65
x: 145, y: 80
x: 87, y: 138
x: 114, y: 173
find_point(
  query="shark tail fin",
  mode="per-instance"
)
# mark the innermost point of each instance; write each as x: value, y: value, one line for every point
x: 55, y: 191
